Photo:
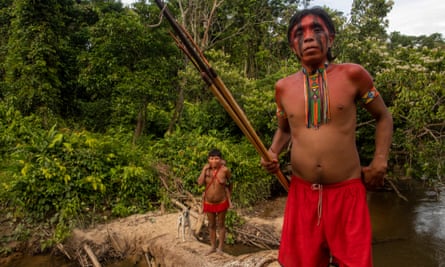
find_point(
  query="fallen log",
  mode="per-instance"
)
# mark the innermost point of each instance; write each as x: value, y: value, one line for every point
x: 153, y: 236
x: 169, y: 256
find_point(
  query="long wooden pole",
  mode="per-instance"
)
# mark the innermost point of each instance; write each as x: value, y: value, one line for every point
x: 218, y: 88
x: 223, y: 101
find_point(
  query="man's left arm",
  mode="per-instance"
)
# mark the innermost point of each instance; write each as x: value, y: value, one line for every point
x: 375, y: 172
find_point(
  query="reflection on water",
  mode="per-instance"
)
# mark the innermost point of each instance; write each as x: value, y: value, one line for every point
x: 408, y: 233
x: 430, y: 219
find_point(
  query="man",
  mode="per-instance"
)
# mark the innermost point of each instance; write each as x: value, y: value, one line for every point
x: 216, y: 199
x: 326, y: 212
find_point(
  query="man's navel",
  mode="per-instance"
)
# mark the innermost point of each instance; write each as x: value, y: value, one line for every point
x: 318, y: 168
x: 340, y: 107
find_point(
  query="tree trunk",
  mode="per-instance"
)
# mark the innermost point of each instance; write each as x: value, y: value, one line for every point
x: 178, y: 107
x: 140, y: 124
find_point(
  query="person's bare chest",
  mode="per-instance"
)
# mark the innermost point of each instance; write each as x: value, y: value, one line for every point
x: 341, y: 97
x: 213, y: 177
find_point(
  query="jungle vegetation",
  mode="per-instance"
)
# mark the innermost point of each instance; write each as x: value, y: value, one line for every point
x: 96, y: 100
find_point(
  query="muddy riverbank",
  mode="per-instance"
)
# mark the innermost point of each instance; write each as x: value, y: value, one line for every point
x: 152, y: 238
x: 405, y: 233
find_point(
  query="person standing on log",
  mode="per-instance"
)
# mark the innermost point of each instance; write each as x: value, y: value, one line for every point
x: 216, y: 198
x: 326, y: 216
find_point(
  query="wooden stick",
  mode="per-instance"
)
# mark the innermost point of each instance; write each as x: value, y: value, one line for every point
x: 91, y: 255
x: 255, y: 140
x: 63, y: 250
x: 190, y: 48
x: 397, y: 190
x: 147, y: 259
x: 226, y: 99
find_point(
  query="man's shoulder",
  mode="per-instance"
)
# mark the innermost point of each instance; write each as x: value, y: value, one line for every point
x: 349, y: 69
x: 355, y: 73
x: 288, y: 80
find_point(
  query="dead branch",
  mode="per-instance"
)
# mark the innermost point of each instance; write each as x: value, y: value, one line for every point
x: 370, y: 122
x: 397, y: 190
x: 147, y: 260
x: 256, y: 239
x: 91, y: 255
x: 114, y: 243
x: 63, y: 250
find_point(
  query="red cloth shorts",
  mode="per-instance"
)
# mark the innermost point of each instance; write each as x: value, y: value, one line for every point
x: 326, y: 220
x: 215, y: 208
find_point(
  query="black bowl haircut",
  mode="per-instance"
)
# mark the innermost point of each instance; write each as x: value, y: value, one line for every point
x: 316, y: 11
x: 215, y: 153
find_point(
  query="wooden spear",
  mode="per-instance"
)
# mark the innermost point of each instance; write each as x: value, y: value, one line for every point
x: 218, y: 88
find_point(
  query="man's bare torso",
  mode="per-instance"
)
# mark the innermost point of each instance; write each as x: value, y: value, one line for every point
x: 215, y: 190
x: 328, y: 154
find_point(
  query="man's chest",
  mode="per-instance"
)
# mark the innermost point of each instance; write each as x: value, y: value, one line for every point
x: 297, y: 101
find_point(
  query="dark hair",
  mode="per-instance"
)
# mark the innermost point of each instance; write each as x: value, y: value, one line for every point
x: 215, y: 153
x: 316, y: 11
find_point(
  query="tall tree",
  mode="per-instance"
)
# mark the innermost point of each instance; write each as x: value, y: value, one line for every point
x: 250, y: 32
x: 255, y: 35
x: 33, y: 64
x: 5, y: 22
x: 128, y: 72
x: 365, y: 36
x: 369, y: 17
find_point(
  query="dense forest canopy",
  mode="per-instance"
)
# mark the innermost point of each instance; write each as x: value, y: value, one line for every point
x: 97, y: 101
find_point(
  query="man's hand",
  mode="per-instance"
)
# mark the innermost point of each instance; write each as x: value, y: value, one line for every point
x: 271, y: 166
x: 374, y: 175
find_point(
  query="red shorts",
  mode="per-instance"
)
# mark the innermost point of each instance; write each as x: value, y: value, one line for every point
x: 215, y: 208
x: 324, y: 220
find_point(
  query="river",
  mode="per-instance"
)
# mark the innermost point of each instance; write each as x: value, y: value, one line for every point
x: 408, y: 233
x: 405, y: 233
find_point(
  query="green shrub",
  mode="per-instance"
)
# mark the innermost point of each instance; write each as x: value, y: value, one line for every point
x: 186, y: 154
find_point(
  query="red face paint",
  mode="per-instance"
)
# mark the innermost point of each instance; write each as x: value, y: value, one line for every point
x: 311, y: 40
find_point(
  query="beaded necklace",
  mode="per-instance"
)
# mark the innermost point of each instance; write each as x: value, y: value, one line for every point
x: 316, y: 96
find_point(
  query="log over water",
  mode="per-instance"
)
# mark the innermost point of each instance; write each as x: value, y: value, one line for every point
x: 152, y: 238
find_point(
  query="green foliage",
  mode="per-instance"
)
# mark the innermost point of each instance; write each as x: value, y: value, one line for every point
x: 36, y: 42
x: 432, y: 41
x: 186, y: 154
x: 67, y: 69
x: 416, y: 77
x: 369, y: 17
x: 363, y: 39
x: 69, y: 177
x: 233, y: 220
x: 207, y: 116
x: 259, y: 101
x: 201, y: 109
x: 64, y: 173
x: 127, y: 70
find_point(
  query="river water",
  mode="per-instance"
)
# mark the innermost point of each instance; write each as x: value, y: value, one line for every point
x: 408, y: 233
x: 405, y: 233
